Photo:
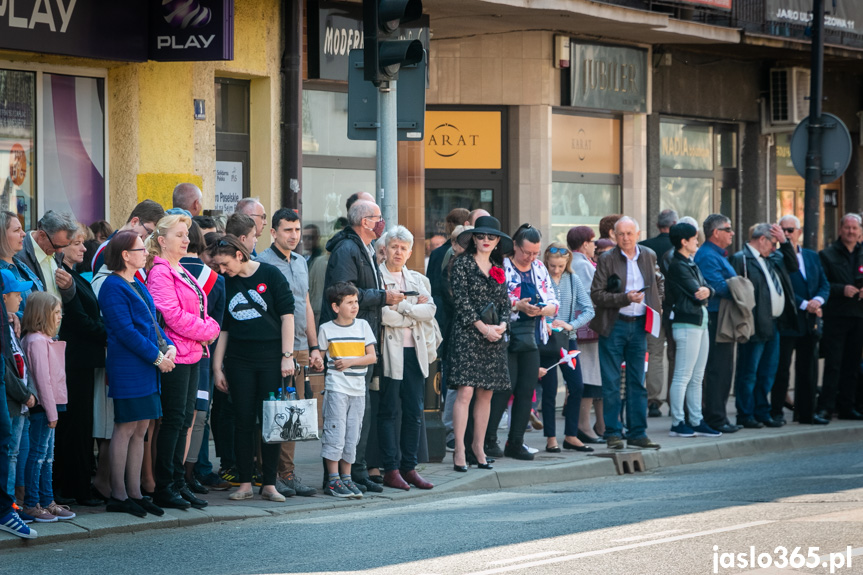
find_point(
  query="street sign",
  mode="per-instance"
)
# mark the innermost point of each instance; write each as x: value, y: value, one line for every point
x: 363, y: 101
x: 836, y: 148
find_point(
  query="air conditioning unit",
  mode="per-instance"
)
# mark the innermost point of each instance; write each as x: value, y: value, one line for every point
x: 789, y: 96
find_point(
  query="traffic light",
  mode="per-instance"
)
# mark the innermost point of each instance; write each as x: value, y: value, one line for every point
x: 382, y: 57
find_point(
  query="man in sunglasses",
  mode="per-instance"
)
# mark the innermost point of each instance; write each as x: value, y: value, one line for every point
x: 811, y: 291
x: 775, y: 309
x: 43, y: 252
x: 712, y: 259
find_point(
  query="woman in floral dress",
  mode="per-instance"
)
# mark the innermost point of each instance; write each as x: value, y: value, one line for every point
x: 478, y: 358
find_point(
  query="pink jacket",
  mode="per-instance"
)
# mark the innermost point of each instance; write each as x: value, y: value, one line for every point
x: 48, y: 364
x: 178, y: 303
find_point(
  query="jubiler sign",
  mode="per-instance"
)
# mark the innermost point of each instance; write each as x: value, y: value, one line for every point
x: 608, y: 78
x: 846, y: 17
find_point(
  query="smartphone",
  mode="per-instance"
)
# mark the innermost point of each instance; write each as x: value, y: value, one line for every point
x: 410, y: 293
x: 643, y: 289
x: 540, y: 304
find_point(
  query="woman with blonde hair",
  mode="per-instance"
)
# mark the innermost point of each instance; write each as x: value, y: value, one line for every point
x: 183, y: 305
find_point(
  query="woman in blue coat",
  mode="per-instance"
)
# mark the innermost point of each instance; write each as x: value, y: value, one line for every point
x: 134, y: 364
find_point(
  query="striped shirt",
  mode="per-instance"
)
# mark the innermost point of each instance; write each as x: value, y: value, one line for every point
x: 579, y: 312
x: 344, y: 341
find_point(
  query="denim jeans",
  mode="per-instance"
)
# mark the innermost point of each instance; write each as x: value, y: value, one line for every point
x: 5, y: 439
x: 18, y: 448
x: 693, y: 347
x: 406, y: 393
x: 575, y: 386
x: 626, y: 342
x: 40, y: 462
x: 757, y: 362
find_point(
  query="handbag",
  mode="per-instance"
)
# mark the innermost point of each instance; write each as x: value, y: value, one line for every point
x: 522, y: 336
x: 163, y: 345
x: 489, y: 316
x: 289, y: 420
x: 814, y: 326
x: 558, y: 340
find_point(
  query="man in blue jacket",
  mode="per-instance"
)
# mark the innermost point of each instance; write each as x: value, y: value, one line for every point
x: 811, y: 290
x: 712, y: 260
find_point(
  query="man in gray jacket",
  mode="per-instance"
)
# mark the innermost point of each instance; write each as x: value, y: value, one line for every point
x: 43, y: 253
x: 627, y: 282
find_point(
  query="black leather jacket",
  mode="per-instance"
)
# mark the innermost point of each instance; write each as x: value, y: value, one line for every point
x: 682, y: 280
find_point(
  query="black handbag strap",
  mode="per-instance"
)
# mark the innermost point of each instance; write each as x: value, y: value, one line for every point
x: 161, y: 341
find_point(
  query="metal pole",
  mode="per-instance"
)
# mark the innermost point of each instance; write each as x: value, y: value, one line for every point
x: 812, y: 203
x: 389, y: 191
x: 378, y: 156
x: 292, y: 105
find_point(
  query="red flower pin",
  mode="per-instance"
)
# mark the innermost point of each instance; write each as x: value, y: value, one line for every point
x: 496, y: 274
x: 262, y: 288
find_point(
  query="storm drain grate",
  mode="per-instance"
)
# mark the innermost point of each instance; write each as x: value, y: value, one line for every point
x: 625, y: 461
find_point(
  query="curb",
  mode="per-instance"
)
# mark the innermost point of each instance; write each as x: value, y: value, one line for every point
x: 504, y: 477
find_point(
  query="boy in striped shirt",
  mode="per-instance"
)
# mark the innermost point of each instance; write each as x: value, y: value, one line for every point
x: 349, y: 345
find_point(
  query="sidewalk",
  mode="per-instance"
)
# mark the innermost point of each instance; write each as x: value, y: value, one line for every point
x: 507, y: 473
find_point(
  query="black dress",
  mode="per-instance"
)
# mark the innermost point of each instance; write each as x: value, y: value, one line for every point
x: 473, y: 360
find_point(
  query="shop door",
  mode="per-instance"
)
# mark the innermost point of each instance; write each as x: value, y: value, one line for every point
x: 232, y: 142
x: 443, y: 196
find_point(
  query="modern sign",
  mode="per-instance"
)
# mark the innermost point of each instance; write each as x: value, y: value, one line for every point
x: 836, y: 148
x: 608, y: 78
x: 847, y: 16
x: 191, y: 30
x: 458, y: 140
x: 585, y: 144
x: 363, y: 120
x: 685, y: 146
x: 229, y: 185
x: 101, y: 29
x: 335, y: 29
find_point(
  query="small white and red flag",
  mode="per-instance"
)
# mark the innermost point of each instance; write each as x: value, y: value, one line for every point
x: 652, y: 322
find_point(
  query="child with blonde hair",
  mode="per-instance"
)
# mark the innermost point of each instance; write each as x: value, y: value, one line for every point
x: 46, y: 357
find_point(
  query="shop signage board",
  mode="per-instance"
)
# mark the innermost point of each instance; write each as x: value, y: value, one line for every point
x: 721, y: 4
x: 229, y: 185
x: 101, y: 29
x: 462, y: 140
x: 335, y: 29
x: 847, y: 16
x: 585, y: 144
x: 685, y: 146
x: 191, y: 30
x: 608, y: 78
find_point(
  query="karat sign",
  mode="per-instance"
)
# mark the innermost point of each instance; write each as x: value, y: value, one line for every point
x: 608, y: 78
x: 847, y: 16
x: 463, y: 140
x: 336, y: 29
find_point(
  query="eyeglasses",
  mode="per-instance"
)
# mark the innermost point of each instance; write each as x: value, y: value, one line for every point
x: 485, y: 236
x: 137, y: 250
x: 53, y: 245
x: 789, y: 230
x: 262, y: 216
x: 148, y: 230
x: 378, y: 217
x: 562, y: 251
x: 728, y: 229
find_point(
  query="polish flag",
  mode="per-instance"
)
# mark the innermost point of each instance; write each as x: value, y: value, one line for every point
x: 652, y: 322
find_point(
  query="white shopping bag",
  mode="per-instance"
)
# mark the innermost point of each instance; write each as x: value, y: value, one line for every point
x: 290, y: 420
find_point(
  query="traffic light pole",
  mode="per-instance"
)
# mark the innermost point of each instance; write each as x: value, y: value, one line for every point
x: 388, y: 154
x: 812, y: 201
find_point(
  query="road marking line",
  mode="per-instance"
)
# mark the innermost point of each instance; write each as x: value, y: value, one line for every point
x: 525, y: 557
x: 648, y: 536
x: 854, y: 553
x: 620, y: 548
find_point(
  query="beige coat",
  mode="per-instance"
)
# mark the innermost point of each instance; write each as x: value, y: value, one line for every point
x: 419, y: 317
x: 735, y: 322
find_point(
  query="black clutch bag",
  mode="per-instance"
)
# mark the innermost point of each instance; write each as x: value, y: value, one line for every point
x: 814, y: 325
x: 489, y: 315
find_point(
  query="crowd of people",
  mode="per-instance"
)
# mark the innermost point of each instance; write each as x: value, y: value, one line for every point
x: 125, y: 350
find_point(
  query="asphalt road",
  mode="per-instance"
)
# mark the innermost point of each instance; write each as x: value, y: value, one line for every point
x: 674, y: 520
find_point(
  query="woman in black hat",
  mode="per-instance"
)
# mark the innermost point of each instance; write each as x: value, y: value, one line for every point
x: 478, y: 359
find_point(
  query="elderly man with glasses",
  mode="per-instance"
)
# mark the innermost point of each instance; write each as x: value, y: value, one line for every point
x: 811, y: 291
x: 712, y: 259
x: 43, y: 252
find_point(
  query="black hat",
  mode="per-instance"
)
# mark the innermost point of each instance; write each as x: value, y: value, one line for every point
x: 486, y: 225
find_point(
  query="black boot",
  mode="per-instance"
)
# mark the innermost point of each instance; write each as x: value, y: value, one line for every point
x: 194, y: 485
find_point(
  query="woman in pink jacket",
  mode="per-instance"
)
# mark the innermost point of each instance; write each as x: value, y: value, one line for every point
x: 183, y: 305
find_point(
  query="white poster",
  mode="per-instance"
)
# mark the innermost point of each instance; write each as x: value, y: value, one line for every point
x: 229, y: 185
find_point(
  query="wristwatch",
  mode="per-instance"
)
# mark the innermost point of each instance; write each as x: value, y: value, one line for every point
x: 288, y: 354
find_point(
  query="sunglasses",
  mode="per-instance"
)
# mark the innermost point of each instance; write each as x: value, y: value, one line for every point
x: 562, y: 251
x: 789, y: 230
x: 485, y: 236
x: 728, y: 229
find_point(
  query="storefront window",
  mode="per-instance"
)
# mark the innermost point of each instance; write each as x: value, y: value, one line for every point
x: 334, y: 167
x: 585, y: 163
x: 687, y: 196
x: 687, y: 169
x: 18, y: 144
x: 73, y: 159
